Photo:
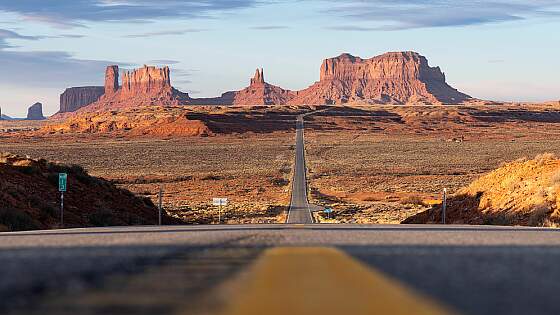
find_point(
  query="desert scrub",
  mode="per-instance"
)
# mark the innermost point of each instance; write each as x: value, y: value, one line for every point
x: 16, y: 220
x: 413, y: 200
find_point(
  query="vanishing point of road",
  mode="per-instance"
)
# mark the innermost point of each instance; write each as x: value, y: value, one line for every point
x: 282, y: 268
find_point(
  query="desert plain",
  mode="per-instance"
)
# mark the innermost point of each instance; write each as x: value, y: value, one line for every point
x: 370, y: 164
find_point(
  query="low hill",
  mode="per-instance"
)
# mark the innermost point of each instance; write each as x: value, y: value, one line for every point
x: 141, y: 121
x: 29, y: 198
x: 523, y: 192
x: 174, y: 121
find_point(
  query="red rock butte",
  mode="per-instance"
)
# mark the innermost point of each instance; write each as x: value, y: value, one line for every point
x: 148, y: 85
x: 146, y: 80
x: 392, y: 78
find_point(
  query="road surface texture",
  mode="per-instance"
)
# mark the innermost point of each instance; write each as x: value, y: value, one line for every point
x: 281, y: 269
x: 299, y: 211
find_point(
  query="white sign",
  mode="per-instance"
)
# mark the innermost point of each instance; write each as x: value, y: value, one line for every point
x: 219, y: 201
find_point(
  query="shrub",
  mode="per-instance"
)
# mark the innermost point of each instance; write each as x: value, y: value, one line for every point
x: 544, y: 157
x: 280, y: 182
x: 555, y: 178
x: 52, y: 178
x: 16, y: 220
x: 27, y: 170
x: 212, y: 177
x: 497, y: 219
x: 413, y: 200
x: 539, y: 215
x: 102, y: 217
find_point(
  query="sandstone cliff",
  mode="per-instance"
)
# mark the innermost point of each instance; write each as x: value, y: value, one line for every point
x: 140, y: 87
x: 77, y: 97
x: 146, y: 80
x: 111, y: 79
x: 258, y: 78
x: 35, y: 112
x: 392, y: 78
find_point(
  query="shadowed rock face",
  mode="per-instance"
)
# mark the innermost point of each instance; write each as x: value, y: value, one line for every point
x: 111, y: 79
x: 35, y: 112
x: 82, y: 201
x: 77, y: 97
x: 392, y: 78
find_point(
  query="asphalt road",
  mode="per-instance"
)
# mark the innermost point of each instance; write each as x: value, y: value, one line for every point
x: 175, y: 269
x: 297, y: 268
x: 299, y: 211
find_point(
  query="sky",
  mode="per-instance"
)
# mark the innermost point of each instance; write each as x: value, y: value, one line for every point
x: 498, y: 50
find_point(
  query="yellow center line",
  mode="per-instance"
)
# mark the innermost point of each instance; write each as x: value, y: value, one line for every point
x: 320, y: 280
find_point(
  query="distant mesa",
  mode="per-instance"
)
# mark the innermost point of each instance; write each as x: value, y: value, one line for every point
x: 75, y: 98
x: 35, y: 112
x: 393, y: 78
x: 4, y: 117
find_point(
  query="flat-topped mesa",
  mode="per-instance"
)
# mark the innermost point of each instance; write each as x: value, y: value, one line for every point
x: 391, y: 78
x: 258, y: 79
x: 111, y: 79
x: 75, y: 98
x: 393, y: 65
x: 146, y: 80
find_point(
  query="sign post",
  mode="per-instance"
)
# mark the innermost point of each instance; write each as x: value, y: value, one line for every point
x: 62, y: 186
x: 328, y: 211
x: 219, y: 202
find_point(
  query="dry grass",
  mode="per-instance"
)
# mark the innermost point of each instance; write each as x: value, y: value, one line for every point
x: 372, y: 159
x: 253, y: 171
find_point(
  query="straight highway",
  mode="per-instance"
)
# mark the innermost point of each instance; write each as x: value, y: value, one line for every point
x: 281, y: 269
x: 299, y: 211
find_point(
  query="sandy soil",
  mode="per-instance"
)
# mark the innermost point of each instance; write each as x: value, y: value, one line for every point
x: 379, y: 165
x: 253, y: 171
x: 372, y: 164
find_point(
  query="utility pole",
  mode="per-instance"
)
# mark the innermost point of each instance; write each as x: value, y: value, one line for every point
x: 444, y: 205
x: 160, y: 203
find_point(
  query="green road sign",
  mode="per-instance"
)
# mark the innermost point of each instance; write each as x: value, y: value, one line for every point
x: 62, y: 180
